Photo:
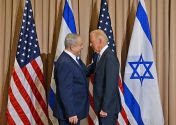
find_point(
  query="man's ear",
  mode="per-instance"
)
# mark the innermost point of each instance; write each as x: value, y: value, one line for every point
x: 100, y: 40
x: 71, y: 47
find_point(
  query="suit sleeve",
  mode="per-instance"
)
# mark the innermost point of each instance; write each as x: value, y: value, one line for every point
x: 90, y: 69
x: 92, y: 66
x: 111, y: 82
x: 65, y: 86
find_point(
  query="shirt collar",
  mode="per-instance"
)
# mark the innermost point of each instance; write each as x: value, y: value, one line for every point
x: 102, y: 50
x: 71, y: 54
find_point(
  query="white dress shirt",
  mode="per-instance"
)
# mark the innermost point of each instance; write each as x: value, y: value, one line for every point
x: 72, y: 56
x: 102, y: 50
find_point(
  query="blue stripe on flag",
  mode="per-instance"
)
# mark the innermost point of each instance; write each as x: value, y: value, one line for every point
x: 132, y: 105
x: 143, y: 19
x: 69, y: 18
x: 52, y: 99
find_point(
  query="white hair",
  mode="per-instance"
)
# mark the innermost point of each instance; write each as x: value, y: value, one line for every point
x: 71, y: 39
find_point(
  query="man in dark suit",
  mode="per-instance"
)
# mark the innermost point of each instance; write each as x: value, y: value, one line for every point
x: 105, y: 90
x: 71, y: 83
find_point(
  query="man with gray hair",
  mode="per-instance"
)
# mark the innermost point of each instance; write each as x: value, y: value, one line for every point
x: 71, y: 83
x: 106, y: 94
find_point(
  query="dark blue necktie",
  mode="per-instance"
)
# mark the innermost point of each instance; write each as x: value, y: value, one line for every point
x: 78, y: 60
x: 98, y: 58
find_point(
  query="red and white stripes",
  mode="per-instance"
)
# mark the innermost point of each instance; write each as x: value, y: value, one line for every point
x: 122, y: 117
x: 27, y: 98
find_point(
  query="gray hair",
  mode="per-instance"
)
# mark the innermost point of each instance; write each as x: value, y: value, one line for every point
x: 97, y: 33
x: 71, y: 39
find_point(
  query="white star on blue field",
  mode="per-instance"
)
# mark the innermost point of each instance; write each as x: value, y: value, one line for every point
x: 139, y: 75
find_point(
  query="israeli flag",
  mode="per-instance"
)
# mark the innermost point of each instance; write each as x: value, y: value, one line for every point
x: 67, y: 26
x: 141, y: 92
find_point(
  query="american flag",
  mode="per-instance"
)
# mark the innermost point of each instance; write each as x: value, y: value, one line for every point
x: 26, y: 96
x: 104, y: 24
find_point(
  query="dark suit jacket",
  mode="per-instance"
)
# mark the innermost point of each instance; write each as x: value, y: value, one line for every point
x: 105, y: 90
x: 71, y: 88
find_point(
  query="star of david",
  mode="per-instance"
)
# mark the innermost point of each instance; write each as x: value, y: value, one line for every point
x: 141, y: 69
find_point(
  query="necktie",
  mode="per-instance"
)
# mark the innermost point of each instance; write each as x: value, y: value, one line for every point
x: 78, y: 60
x: 98, y: 58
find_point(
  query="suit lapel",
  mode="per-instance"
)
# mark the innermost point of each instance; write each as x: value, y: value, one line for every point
x: 102, y: 58
x: 76, y: 64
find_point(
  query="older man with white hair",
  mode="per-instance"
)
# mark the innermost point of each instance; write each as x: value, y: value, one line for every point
x: 105, y: 90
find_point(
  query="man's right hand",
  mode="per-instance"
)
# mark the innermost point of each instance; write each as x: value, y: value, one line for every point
x: 103, y: 114
x: 73, y: 120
